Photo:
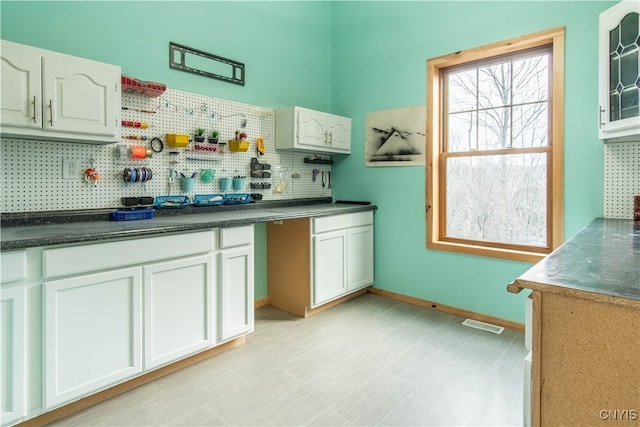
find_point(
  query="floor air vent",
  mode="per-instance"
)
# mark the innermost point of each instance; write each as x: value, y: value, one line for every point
x: 484, y: 326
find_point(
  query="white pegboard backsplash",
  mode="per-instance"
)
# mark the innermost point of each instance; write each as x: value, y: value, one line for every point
x: 32, y: 170
x: 621, y: 178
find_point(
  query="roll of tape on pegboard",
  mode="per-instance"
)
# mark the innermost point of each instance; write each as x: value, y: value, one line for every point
x: 138, y: 151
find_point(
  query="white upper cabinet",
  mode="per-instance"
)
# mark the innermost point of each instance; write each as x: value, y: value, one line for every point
x: 302, y: 129
x: 52, y: 96
x: 21, y: 88
x: 619, y: 77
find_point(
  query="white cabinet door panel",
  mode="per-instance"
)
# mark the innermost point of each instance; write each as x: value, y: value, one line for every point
x: 102, y: 256
x: 179, y: 311
x: 236, y: 236
x: 93, y: 333
x: 329, y: 269
x: 311, y: 128
x: 236, y: 292
x: 79, y: 98
x: 359, y: 257
x: 13, y: 266
x: 13, y: 329
x: 21, y: 88
x: 339, y: 133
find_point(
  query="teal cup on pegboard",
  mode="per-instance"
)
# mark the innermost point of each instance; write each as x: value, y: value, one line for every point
x: 225, y: 184
x: 238, y: 184
x: 187, y: 184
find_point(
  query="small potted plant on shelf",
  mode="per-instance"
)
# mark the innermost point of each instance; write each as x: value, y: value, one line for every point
x: 213, y: 137
x: 199, y: 135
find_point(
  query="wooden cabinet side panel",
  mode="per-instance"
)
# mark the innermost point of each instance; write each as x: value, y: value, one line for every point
x: 589, y: 361
x: 535, y: 362
x: 288, y: 265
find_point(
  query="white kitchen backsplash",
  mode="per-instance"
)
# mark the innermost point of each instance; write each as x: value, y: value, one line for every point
x: 32, y: 170
x: 621, y: 178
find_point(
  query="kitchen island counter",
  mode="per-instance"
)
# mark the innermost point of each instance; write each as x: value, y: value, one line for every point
x: 585, y: 328
x: 601, y: 263
x: 33, y: 230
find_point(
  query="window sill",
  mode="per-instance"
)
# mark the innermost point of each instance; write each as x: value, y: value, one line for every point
x: 487, y: 251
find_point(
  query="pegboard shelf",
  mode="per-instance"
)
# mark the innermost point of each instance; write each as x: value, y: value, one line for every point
x: 621, y: 179
x: 177, y: 112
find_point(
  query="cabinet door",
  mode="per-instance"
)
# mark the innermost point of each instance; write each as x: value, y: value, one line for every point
x: 79, y: 97
x: 359, y: 257
x: 339, y: 133
x: 619, y: 74
x: 21, y: 102
x: 236, y: 292
x: 179, y: 305
x: 329, y: 268
x: 13, y: 329
x: 93, y: 333
x: 311, y: 130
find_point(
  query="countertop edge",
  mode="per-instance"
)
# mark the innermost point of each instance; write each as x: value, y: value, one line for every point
x: 600, y: 263
x: 332, y: 209
x: 572, y: 292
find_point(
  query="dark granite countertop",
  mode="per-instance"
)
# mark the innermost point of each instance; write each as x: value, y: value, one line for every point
x: 601, y: 262
x: 27, y: 230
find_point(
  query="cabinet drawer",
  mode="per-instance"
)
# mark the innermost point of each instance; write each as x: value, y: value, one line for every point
x: 101, y: 256
x: 13, y: 266
x: 236, y: 236
x: 338, y: 222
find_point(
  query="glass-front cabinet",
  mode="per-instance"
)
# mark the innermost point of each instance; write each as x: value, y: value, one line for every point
x: 619, y: 78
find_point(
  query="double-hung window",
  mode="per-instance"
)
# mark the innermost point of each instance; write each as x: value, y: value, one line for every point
x: 494, y: 148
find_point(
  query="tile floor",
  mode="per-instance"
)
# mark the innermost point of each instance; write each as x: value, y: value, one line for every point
x: 371, y: 361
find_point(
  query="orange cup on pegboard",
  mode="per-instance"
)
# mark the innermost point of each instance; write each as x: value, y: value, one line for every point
x: 137, y: 152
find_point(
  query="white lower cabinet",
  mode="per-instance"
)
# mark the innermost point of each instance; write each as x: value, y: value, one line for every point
x: 93, y: 333
x: 20, y: 336
x: 179, y: 309
x: 13, y: 336
x: 236, y: 282
x: 359, y: 259
x: 313, y: 261
x: 115, y: 310
x: 342, y: 255
x: 329, y: 266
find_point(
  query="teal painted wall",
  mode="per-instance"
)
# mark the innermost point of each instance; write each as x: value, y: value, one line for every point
x: 379, y: 55
x: 285, y: 46
x: 349, y: 58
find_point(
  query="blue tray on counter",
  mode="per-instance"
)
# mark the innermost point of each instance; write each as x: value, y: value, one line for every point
x: 133, y: 214
x: 172, y: 202
x: 237, y: 198
x: 209, y: 199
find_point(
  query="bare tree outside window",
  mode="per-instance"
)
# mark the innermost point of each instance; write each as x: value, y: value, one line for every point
x: 491, y: 143
x: 498, y: 197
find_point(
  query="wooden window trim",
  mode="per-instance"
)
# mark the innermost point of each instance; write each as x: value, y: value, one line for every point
x: 434, y: 193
